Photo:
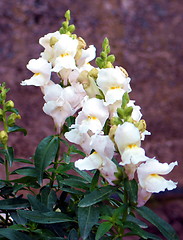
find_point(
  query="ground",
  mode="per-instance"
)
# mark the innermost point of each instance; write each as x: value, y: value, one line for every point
x: 145, y: 36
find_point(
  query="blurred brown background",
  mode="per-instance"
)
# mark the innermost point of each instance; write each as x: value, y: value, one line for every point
x: 146, y: 37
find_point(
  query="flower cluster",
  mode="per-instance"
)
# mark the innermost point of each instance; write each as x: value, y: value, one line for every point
x: 107, y: 122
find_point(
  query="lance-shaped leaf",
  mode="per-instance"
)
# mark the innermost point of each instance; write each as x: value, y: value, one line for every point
x: 14, y: 203
x: 103, y: 229
x: 87, y: 218
x: 96, y: 196
x: 16, y: 128
x: 44, y: 217
x: 131, y: 188
x: 45, y: 153
x: 163, y: 226
x: 13, y: 234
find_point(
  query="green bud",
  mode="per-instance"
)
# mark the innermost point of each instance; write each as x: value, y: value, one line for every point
x: 93, y: 73
x: 111, y: 58
x: 109, y: 65
x: 141, y: 125
x: 3, y: 137
x: 99, y: 62
x: 125, y: 100
x: 68, y: 15
x: 53, y: 40
x: 128, y: 111
x: 115, y: 121
x: 9, y: 104
x: 71, y: 28
x: 105, y: 43
x: 120, y: 112
x: 65, y: 25
x: 12, y: 118
x: 103, y: 55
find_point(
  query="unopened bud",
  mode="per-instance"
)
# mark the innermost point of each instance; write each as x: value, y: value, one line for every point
x: 12, y: 118
x: 93, y: 73
x: 53, y: 40
x: 115, y: 121
x: 9, y: 104
x: 1, y: 112
x: 3, y: 137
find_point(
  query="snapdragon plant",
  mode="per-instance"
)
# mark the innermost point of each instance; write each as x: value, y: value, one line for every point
x: 91, y: 178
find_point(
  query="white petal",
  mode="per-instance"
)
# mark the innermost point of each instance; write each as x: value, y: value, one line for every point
x: 91, y: 162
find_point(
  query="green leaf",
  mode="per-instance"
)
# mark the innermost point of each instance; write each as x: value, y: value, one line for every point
x: 48, y: 197
x: 1, y: 160
x: 22, y: 161
x: 14, y: 203
x: 66, y: 158
x: 16, y: 128
x: 83, y: 174
x: 29, y: 181
x: 162, y: 225
x: 45, y: 154
x: 96, y: 196
x: 27, y: 171
x: 71, y: 190
x: 102, y: 229
x: 87, y: 218
x: 75, y: 183
x: 45, y: 217
x: 131, y: 188
x: 95, y: 179
x: 36, y: 204
x: 9, y: 154
x: 137, y: 231
x: 13, y: 234
x: 141, y: 224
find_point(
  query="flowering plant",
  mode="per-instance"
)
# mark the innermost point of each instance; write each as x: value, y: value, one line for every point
x: 91, y: 179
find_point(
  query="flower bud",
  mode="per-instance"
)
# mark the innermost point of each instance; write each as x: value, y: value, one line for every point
x: 9, y: 104
x: 53, y: 40
x: 12, y: 118
x: 3, y: 137
x: 1, y: 112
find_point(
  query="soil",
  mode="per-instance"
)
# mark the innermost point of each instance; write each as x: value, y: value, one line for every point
x: 146, y: 38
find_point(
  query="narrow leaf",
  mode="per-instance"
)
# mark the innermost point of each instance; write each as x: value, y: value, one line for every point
x: 87, y: 218
x: 103, y: 229
x: 45, y: 218
x: 96, y: 196
x: 45, y: 153
x: 16, y: 128
x: 14, y: 203
x: 165, y: 228
x: 13, y: 234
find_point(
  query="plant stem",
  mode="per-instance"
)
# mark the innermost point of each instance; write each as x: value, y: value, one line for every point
x: 56, y: 162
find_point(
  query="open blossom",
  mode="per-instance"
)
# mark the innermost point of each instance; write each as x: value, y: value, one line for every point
x: 113, y: 83
x: 150, y: 179
x: 93, y: 115
x: 42, y: 72
x: 64, y: 52
x: 87, y: 55
x: 128, y: 141
x: 101, y: 158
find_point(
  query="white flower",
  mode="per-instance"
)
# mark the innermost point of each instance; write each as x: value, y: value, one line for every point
x: 128, y: 140
x: 101, y: 158
x: 82, y: 139
x: 150, y: 180
x: 86, y: 56
x: 114, y: 83
x: 64, y: 51
x: 93, y: 115
x: 42, y: 72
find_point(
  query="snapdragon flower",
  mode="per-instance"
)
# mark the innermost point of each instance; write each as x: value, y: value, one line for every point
x: 42, y: 72
x: 101, y: 158
x: 93, y: 115
x: 150, y: 180
x: 113, y: 83
x: 87, y: 55
x: 128, y: 140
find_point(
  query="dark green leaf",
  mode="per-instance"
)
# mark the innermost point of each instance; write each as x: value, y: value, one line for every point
x: 45, y: 154
x: 48, y: 197
x: 83, y: 174
x: 44, y: 218
x: 74, y: 150
x: 66, y: 158
x: 95, y: 179
x: 9, y: 154
x: 163, y: 226
x: 141, y: 224
x: 102, y: 229
x: 16, y: 128
x: 87, y: 218
x: 96, y: 196
x: 71, y: 190
x: 131, y: 188
x: 75, y: 183
x: 14, y: 203
x: 13, y: 234
x: 14, y: 110
x: 1, y: 160
x: 29, y: 181
x: 22, y: 160
x: 139, y: 232
x: 36, y: 204
x: 27, y: 171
